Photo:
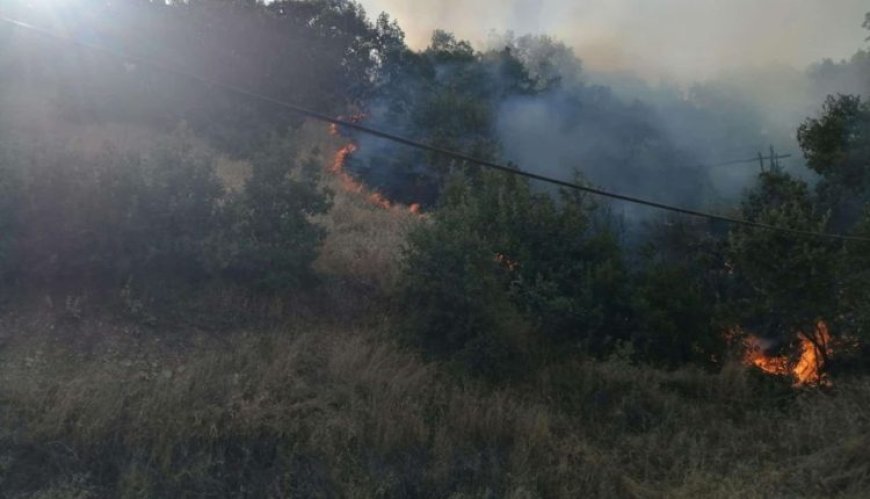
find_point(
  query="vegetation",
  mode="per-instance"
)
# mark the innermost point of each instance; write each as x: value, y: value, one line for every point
x: 188, y: 307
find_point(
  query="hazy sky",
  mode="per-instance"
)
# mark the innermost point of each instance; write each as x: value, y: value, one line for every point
x: 679, y: 39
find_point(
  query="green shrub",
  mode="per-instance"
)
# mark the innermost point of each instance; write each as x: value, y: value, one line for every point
x: 269, y: 239
x: 117, y: 215
x: 161, y: 215
x: 680, y: 290
x: 789, y: 281
x: 502, y: 270
x: 455, y: 296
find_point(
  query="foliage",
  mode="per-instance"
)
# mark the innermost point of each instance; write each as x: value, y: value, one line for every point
x: 501, y: 263
x: 789, y: 281
x: 837, y: 147
x: 682, y: 289
x: 445, y: 95
x: 318, y: 410
x: 116, y: 215
x: 328, y: 59
x: 271, y: 241
x: 854, y: 276
x: 158, y: 214
x: 455, y: 296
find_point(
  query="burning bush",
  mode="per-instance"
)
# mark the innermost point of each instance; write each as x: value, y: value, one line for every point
x: 805, y: 359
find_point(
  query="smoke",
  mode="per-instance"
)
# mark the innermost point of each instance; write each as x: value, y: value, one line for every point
x: 684, y: 40
x: 638, y: 109
x: 611, y: 144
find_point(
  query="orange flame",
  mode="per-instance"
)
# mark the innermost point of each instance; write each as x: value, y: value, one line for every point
x: 807, y: 369
x: 507, y: 262
x: 351, y: 184
x: 354, y: 118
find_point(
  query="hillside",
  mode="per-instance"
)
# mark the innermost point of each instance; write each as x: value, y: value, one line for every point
x: 205, y: 295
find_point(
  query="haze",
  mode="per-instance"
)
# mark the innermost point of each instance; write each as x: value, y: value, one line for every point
x: 683, y: 40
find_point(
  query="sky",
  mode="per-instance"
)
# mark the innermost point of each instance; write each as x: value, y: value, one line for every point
x: 678, y: 40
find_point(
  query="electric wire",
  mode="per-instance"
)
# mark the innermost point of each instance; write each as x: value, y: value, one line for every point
x: 309, y: 113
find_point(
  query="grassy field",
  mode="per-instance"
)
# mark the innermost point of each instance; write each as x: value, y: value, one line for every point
x: 106, y: 408
x: 228, y: 395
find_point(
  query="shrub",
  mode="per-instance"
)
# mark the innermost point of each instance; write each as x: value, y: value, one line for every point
x: 115, y: 216
x: 789, y: 281
x: 680, y: 291
x: 270, y: 240
x: 501, y: 268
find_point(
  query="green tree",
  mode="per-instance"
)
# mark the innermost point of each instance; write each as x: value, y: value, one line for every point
x: 681, y: 288
x: 837, y: 147
x: 854, y: 275
x: 502, y: 269
x: 270, y: 240
x: 117, y: 215
x: 788, y: 281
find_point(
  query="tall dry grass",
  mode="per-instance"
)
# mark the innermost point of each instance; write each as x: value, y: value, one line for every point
x: 323, y: 404
x: 309, y: 411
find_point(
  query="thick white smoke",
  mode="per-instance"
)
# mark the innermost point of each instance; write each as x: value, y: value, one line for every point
x: 686, y: 40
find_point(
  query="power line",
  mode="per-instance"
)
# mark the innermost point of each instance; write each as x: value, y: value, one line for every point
x: 124, y: 57
x: 742, y: 161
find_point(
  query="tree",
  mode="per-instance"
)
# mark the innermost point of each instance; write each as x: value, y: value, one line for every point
x: 504, y: 267
x: 837, y: 147
x: 270, y: 240
x: 854, y: 272
x: 789, y: 282
x: 680, y: 291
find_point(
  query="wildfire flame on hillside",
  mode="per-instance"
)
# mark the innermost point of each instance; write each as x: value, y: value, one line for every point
x: 350, y: 184
x: 806, y: 369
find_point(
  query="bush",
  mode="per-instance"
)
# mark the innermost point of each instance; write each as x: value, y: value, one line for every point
x: 160, y: 215
x: 270, y: 240
x: 455, y: 296
x: 680, y: 293
x: 501, y: 268
x: 116, y: 216
x: 788, y: 281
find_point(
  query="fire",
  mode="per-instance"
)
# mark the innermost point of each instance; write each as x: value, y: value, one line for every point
x: 351, y: 184
x: 507, y: 262
x: 807, y: 368
x: 354, y: 118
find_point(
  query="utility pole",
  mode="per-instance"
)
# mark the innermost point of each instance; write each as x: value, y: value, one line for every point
x: 774, y: 161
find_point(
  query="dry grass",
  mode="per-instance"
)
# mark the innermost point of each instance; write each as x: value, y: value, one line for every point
x: 318, y: 412
x: 96, y: 406
x: 364, y: 243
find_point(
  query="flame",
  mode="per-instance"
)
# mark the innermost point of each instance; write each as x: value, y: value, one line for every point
x: 354, y: 118
x: 806, y: 369
x: 507, y: 262
x: 349, y: 183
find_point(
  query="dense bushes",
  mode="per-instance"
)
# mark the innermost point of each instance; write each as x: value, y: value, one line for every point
x: 158, y: 214
x: 681, y: 286
x: 270, y: 241
x: 503, y: 272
